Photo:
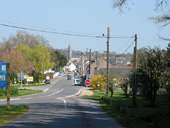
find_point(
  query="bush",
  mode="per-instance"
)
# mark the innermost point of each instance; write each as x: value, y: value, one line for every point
x: 3, y: 92
x: 101, y: 80
x: 13, y: 91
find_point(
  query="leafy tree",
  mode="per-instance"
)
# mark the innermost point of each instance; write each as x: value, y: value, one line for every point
x: 25, y: 49
x: 151, y: 67
x: 124, y: 85
x: 114, y: 79
x: 41, y: 58
x: 111, y: 85
x: 60, y: 60
x: 166, y: 80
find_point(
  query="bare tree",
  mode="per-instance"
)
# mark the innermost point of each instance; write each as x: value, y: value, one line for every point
x: 160, y: 5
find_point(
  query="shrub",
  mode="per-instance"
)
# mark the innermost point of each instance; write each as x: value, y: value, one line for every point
x: 13, y: 91
x: 101, y: 80
x: 3, y: 92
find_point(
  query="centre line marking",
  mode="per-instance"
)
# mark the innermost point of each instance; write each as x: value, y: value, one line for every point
x: 63, y: 101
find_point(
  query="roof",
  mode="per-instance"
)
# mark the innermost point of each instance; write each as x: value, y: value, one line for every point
x: 121, y: 70
x: 76, y: 56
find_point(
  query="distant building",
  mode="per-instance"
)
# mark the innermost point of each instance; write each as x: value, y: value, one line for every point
x: 76, y: 58
x: 71, y: 67
x: 119, y: 65
x: 69, y: 52
x: 101, y: 63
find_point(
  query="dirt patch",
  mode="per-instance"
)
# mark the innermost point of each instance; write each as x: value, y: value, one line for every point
x: 86, y: 93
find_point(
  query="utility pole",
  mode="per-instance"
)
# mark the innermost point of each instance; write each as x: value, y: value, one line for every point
x: 135, y: 72
x: 89, y: 60
x: 107, y: 75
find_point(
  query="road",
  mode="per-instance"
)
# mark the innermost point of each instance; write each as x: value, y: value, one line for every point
x: 60, y: 107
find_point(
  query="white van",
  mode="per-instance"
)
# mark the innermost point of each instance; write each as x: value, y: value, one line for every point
x: 76, y: 82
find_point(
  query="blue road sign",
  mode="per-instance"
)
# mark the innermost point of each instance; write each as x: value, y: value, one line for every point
x: 3, y: 75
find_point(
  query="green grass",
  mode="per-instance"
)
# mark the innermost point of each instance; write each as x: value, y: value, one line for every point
x: 29, y: 85
x: 22, y: 92
x: 141, y: 116
x: 15, y: 111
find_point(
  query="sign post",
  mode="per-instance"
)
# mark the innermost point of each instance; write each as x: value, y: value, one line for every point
x: 8, y: 86
x: 20, y: 76
x: 5, y: 80
x: 87, y: 83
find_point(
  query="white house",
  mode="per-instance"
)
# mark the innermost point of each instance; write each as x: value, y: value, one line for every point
x: 71, y: 67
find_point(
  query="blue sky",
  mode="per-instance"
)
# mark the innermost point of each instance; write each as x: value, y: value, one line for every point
x: 86, y: 17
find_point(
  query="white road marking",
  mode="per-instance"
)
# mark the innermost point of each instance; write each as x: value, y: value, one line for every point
x: 62, y: 98
x: 70, y: 95
x: 46, y: 90
x: 16, y: 99
x: 28, y: 98
x: 63, y: 101
x: 55, y: 92
x: 44, y: 96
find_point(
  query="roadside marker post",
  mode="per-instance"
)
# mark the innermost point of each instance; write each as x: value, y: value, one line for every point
x: 87, y: 83
x: 8, y: 86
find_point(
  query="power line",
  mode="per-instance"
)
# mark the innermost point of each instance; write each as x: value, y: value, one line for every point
x: 121, y: 37
x: 129, y: 46
x: 52, y: 32
x: 125, y: 44
x: 36, y: 27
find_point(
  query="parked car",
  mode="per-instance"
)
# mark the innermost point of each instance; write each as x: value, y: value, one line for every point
x: 76, y: 82
x: 76, y: 76
x: 47, y: 81
x: 68, y: 77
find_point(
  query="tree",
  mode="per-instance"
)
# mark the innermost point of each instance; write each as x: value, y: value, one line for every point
x: 114, y: 79
x: 151, y: 67
x: 164, y: 18
x: 124, y: 85
x: 18, y: 62
x: 41, y: 58
x: 62, y: 59
x: 23, y: 37
x: 166, y: 80
x: 43, y: 41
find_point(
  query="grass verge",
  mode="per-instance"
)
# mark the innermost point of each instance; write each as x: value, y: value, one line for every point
x: 7, y: 115
x: 29, y: 85
x: 142, y: 116
x: 22, y: 92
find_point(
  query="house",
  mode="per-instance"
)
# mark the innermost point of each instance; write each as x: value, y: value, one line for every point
x: 118, y: 68
x: 71, y: 67
x: 99, y: 64
x: 119, y: 64
x: 76, y: 58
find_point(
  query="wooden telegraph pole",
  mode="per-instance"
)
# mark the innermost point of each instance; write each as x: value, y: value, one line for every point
x: 135, y: 72
x: 8, y: 86
x: 107, y: 75
x: 89, y: 60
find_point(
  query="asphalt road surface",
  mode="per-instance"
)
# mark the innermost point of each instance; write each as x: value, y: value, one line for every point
x: 59, y: 106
